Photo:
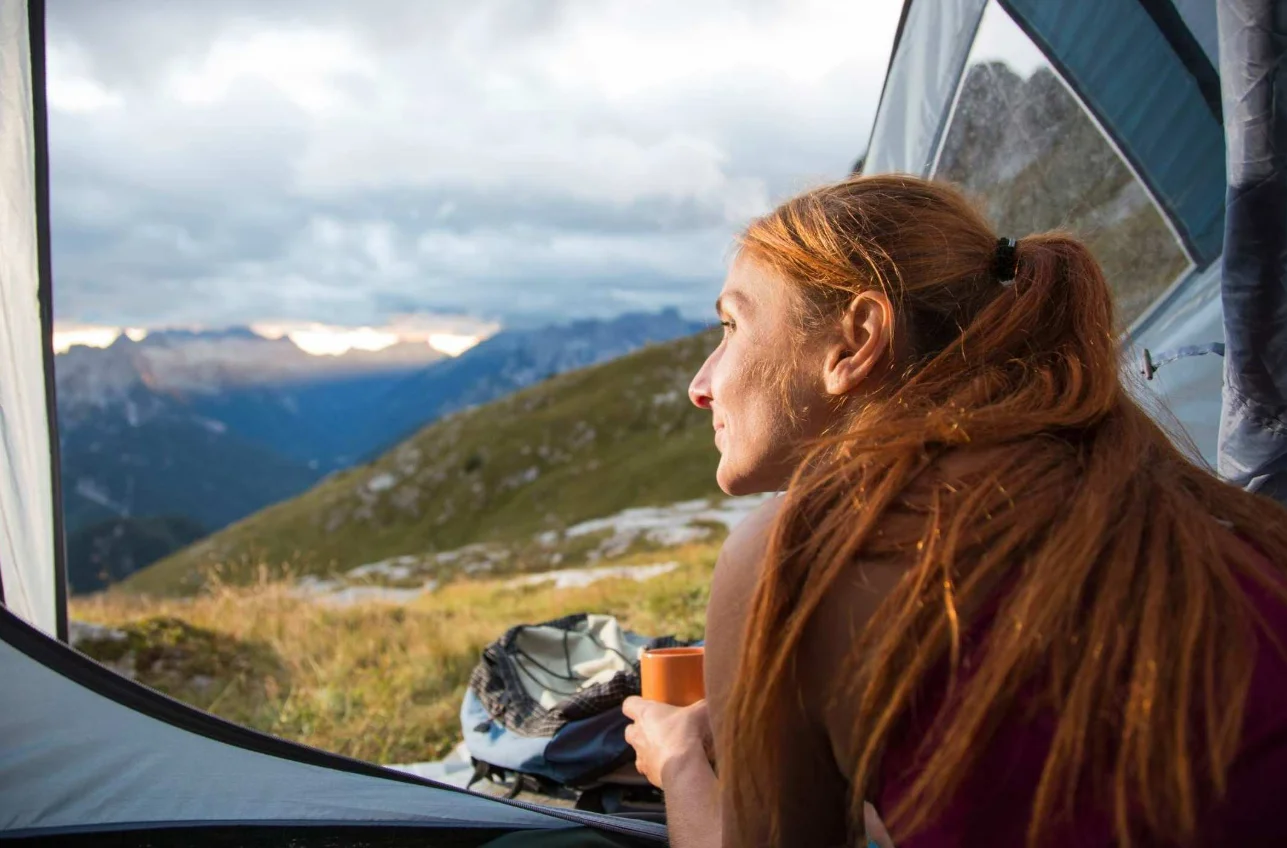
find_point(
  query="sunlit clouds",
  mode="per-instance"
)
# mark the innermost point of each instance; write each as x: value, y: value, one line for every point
x: 69, y: 335
x: 340, y: 165
x: 315, y: 339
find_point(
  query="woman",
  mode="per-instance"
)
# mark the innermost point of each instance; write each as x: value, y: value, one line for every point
x: 994, y: 600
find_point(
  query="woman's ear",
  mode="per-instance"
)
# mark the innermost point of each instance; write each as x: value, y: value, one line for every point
x: 862, y: 343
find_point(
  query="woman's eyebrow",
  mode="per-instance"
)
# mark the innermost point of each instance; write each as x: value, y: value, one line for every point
x: 729, y: 297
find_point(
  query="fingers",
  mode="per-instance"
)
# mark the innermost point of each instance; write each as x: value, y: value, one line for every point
x: 633, y: 707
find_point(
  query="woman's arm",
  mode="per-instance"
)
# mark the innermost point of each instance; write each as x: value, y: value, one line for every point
x: 673, y: 744
x: 672, y: 747
x: 814, y: 793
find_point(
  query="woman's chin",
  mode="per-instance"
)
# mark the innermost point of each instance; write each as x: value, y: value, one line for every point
x: 736, y: 485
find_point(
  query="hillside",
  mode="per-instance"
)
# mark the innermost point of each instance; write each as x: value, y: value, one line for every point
x: 579, y: 446
x: 513, y: 360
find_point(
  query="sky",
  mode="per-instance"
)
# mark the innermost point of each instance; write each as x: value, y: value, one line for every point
x: 419, y: 168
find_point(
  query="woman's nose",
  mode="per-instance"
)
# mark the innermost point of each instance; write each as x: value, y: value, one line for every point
x: 699, y: 391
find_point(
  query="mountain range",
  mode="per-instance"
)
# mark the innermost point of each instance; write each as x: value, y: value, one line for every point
x: 209, y: 427
x: 511, y: 475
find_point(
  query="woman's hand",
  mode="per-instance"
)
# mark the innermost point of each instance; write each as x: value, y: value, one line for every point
x: 662, y: 735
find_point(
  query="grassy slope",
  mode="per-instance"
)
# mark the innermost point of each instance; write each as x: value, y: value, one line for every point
x: 578, y: 446
x: 379, y: 682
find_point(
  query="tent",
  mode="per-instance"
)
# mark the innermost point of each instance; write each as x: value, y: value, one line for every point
x: 1119, y: 119
x: 1154, y: 126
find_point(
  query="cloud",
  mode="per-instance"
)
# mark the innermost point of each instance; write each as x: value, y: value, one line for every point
x: 239, y: 162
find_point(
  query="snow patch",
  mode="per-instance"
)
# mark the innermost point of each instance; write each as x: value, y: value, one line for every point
x: 670, y: 537
x: 665, y: 398
x: 381, y: 483
x: 666, y: 526
x: 399, y: 568
x: 522, y: 478
x: 670, y: 526
x: 211, y: 425
x: 91, y: 490
x: 576, y: 578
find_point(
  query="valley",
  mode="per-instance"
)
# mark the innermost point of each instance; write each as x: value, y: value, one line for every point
x: 211, y: 427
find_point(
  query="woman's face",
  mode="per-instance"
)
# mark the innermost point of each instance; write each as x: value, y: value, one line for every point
x: 765, y: 384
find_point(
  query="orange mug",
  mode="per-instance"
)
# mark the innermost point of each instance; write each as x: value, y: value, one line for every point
x: 673, y: 676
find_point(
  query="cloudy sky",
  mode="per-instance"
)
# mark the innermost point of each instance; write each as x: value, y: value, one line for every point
x: 444, y: 165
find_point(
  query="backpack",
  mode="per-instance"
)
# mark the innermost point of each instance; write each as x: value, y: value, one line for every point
x: 544, y: 702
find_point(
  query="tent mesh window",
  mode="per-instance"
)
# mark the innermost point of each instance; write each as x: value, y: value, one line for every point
x: 1022, y: 145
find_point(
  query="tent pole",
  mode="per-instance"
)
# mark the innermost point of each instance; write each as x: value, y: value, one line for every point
x: 40, y: 124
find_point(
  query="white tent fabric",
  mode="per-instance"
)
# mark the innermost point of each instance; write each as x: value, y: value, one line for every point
x: 1186, y: 391
x: 27, y: 509
x: 919, y: 88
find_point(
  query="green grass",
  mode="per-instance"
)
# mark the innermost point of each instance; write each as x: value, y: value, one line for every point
x: 379, y: 682
x: 591, y: 443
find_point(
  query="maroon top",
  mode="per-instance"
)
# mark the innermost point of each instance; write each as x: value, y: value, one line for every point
x: 993, y: 806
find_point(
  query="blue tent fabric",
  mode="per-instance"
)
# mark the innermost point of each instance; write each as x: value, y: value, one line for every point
x: 1253, y: 65
x: 1199, y: 17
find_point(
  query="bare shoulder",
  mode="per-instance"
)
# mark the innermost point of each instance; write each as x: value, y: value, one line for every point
x: 737, y: 572
x: 742, y: 554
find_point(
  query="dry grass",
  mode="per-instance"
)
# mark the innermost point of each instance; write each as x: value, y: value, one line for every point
x: 376, y: 681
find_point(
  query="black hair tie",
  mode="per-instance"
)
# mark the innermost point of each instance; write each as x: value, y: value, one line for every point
x: 1006, y: 261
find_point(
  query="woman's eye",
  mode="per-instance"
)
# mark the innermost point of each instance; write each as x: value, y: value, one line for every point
x: 728, y: 326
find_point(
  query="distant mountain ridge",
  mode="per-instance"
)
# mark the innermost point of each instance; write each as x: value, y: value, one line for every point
x: 516, y: 359
x: 185, y: 362
x: 214, y: 426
